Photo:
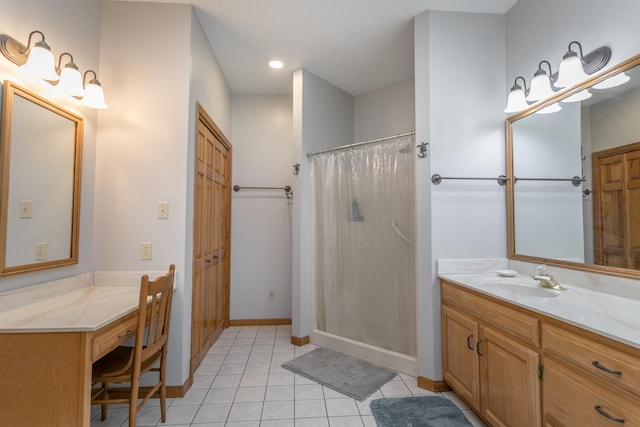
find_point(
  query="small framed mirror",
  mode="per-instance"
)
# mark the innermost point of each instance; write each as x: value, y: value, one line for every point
x: 41, y: 157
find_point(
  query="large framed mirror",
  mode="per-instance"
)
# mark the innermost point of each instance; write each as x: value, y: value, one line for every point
x: 41, y: 158
x: 573, y: 199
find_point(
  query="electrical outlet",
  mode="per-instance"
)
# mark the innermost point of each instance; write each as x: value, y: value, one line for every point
x: 41, y: 251
x: 272, y: 294
x: 145, y: 251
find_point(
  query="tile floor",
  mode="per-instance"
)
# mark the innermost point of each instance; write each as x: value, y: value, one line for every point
x: 240, y: 383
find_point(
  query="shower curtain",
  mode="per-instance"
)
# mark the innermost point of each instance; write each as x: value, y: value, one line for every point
x: 364, y: 234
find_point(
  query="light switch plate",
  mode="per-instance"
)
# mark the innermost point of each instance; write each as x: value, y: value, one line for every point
x: 25, y: 208
x: 163, y: 210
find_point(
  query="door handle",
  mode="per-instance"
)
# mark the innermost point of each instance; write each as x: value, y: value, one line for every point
x: 478, y: 348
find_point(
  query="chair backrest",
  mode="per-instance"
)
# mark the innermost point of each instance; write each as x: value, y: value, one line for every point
x: 154, y: 314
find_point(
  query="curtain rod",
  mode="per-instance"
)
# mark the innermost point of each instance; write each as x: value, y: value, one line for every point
x: 370, y: 141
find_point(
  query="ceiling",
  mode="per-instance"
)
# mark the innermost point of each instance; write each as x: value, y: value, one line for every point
x: 357, y: 45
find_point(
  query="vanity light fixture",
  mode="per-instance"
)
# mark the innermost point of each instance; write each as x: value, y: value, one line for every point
x: 37, y: 60
x: 574, y: 69
x: 516, y: 100
x: 540, y: 84
x: 70, y: 78
x: 93, y: 93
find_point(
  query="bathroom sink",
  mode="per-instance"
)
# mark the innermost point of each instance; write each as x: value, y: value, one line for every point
x: 513, y: 288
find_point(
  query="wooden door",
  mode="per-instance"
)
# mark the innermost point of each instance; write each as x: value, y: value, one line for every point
x: 616, y: 206
x: 509, y: 382
x: 459, y: 357
x: 211, y: 236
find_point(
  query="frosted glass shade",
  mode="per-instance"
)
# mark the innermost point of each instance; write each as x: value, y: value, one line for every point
x: 577, y: 97
x: 553, y: 108
x: 617, y: 80
x: 40, y: 62
x: 516, y: 101
x: 540, y: 87
x: 570, y: 71
x: 94, y: 95
x: 71, y: 81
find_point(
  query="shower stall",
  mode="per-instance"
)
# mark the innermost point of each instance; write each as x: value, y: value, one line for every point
x: 364, y: 222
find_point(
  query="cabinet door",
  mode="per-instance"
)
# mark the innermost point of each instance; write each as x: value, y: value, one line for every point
x: 459, y: 358
x: 509, y: 383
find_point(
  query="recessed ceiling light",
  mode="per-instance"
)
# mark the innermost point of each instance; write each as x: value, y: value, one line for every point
x: 276, y: 64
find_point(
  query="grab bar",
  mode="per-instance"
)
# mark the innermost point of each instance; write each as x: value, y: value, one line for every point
x: 394, y: 225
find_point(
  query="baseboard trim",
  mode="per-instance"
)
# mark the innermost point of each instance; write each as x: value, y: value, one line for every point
x: 259, y: 322
x: 300, y: 341
x: 431, y: 385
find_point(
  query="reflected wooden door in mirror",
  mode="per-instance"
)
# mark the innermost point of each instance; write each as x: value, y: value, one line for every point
x: 41, y: 155
x: 574, y: 196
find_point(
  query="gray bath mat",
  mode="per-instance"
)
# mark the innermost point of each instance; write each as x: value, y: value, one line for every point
x: 345, y: 374
x: 418, y: 411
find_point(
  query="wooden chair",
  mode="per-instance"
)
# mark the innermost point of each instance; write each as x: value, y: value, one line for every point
x: 126, y: 364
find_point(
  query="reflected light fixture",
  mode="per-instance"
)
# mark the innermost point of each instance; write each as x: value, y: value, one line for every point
x: 276, y: 64
x: 577, y: 97
x: 37, y: 60
x: 617, y: 80
x: 540, y: 84
x: 516, y: 100
x: 574, y: 69
x: 93, y: 93
x: 70, y: 78
x: 553, y: 108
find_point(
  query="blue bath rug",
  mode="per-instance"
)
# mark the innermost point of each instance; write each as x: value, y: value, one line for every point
x: 418, y: 411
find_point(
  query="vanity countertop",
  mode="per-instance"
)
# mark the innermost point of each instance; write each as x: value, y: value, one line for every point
x: 606, y: 314
x: 85, y: 309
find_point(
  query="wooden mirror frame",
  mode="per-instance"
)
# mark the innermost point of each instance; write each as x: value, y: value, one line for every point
x: 593, y: 268
x: 11, y: 90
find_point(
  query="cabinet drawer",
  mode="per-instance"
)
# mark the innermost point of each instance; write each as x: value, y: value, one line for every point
x: 513, y: 322
x: 111, y: 336
x: 571, y: 399
x: 594, y: 357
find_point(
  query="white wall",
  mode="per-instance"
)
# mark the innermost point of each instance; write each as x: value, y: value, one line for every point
x: 146, y: 146
x: 74, y: 29
x: 459, y: 77
x: 323, y: 117
x: 384, y: 112
x: 261, y: 220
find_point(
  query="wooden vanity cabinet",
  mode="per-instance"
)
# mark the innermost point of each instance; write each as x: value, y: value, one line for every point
x: 490, y: 357
x: 519, y: 368
x: 589, y: 380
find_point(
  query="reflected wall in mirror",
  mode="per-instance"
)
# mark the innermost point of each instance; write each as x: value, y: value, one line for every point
x: 41, y: 153
x: 574, y: 200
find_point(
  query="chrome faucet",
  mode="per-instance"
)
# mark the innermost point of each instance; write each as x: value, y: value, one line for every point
x: 546, y: 280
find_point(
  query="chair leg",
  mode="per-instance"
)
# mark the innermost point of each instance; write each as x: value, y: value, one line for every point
x: 105, y: 393
x: 133, y: 402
